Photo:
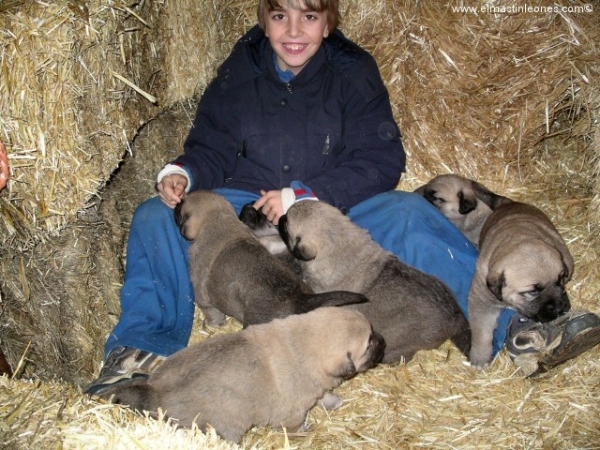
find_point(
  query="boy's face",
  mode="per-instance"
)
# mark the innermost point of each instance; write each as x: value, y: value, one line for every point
x: 295, y: 35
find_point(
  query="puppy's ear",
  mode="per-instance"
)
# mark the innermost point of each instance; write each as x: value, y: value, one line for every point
x: 303, y: 251
x: 565, y: 275
x: 488, y: 197
x: 181, y: 218
x: 466, y: 204
x: 295, y: 245
x: 429, y: 194
x: 568, y: 265
x: 495, y: 283
x: 420, y: 189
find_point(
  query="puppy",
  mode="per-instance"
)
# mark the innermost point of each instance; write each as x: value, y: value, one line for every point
x: 410, y: 309
x: 268, y: 374
x: 466, y: 203
x: 523, y: 264
x: 233, y: 274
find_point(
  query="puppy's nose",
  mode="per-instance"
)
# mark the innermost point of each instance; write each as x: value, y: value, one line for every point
x: 556, y: 308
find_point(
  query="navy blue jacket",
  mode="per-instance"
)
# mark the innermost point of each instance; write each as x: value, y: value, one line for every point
x: 330, y: 127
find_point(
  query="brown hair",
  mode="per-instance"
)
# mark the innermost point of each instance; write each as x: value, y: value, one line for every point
x: 331, y: 7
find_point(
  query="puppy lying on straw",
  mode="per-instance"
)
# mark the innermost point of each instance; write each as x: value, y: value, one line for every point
x: 268, y: 374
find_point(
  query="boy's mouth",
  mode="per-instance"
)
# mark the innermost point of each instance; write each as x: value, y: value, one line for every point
x: 294, y: 47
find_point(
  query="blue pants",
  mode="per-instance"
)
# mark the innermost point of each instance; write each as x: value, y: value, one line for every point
x: 157, y: 298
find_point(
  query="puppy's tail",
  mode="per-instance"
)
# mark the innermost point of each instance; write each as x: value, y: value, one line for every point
x: 309, y: 302
x: 139, y: 397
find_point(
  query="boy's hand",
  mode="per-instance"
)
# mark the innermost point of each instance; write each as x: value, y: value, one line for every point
x: 171, y: 189
x: 271, y: 205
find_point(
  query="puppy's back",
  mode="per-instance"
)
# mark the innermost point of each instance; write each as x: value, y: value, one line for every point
x: 522, y: 215
x: 427, y: 311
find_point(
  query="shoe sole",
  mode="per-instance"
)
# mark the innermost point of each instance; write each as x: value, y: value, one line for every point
x: 575, y: 346
x: 101, y: 389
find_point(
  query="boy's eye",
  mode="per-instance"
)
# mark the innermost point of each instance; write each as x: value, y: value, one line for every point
x: 277, y: 16
x: 311, y: 17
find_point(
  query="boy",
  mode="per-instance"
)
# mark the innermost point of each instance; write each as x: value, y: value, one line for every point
x: 295, y: 100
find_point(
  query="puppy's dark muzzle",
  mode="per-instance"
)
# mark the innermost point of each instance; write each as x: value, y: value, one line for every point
x: 376, y: 349
x: 555, y: 306
x: 251, y: 217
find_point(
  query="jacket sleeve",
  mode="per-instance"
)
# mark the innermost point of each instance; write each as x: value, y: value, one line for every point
x: 374, y: 156
x: 210, y: 149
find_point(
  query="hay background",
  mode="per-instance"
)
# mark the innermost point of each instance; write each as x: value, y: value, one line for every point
x: 512, y: 100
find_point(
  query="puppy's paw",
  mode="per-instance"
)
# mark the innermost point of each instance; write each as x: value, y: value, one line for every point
x: 331, y: 401
x: 213, y: 322
x: 480, y: 359
x: 273, y: 244
x: 303, y: 428
x: 479, y: 365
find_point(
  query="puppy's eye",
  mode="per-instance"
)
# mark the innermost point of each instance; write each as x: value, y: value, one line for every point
x: 532, y: 294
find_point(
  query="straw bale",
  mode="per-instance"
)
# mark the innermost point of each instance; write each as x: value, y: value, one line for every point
x: 475, y: 92
x: 78, y: 80
x: 62, y: 298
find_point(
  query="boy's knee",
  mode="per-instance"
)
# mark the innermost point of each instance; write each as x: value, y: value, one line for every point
x: 153, y: 210
x: 405, y: 204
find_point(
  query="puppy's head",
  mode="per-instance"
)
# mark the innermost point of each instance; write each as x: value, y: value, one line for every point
x: 196, y: 208
x: 311, y: 229
x: 456, y: 196
x: 257, y: 221
x: 451, y: 194
x: 532, y: 281
x: 345, y: 341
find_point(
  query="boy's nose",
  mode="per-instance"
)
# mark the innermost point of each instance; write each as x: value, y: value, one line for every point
x: 294, y: 28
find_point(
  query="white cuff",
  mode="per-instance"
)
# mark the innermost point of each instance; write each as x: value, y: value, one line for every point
x: 288, y: 198
x: 170, y: 169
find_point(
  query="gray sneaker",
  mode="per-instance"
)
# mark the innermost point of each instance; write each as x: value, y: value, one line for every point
x: 535, y: 347
x: 123, y: 365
